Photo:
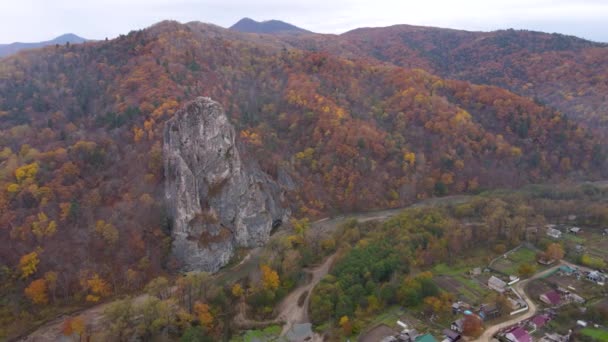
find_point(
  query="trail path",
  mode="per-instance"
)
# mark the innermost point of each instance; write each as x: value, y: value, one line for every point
x: 532, y: 307
x: 289, y: 310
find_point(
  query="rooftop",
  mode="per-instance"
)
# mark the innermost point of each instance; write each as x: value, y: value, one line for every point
x: 540, y: 320
x: 520, y: 335
x: 426, y: 338
x: 496, y: 282
x: 553, y: 297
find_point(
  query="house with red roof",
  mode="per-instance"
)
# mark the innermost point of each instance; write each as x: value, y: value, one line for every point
x: 539, y: 321
x: 518, y: 334
x: 551, y: 298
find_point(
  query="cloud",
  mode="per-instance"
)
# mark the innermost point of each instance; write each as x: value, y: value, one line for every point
x: 35, y: 20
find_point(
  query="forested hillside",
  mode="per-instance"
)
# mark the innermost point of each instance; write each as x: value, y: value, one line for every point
x: 81, y: 210
x: 565, y: 72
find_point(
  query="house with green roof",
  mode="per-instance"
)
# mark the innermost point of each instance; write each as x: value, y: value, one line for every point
x: 426, y: 338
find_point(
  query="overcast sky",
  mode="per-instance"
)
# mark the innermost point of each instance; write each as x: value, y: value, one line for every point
x: 37, y: 20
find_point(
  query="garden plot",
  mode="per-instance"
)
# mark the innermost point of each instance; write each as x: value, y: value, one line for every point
x: 462, y: 286
x: 510, y: 264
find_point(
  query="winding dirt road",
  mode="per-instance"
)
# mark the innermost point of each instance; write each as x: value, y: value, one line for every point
x: 289, y: 311
x: 532, y: 308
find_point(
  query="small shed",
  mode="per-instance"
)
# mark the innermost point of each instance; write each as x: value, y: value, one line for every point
x: 458, y: 325
x: 554, y: 233
x: 451, y: 335
x: 488, y: 311
x: 496, y: 284
x: 575, y: 230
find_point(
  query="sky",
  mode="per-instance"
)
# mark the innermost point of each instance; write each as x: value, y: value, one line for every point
x: 38, y: 20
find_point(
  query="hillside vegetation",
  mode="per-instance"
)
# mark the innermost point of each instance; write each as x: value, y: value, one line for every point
x: 81, y: 179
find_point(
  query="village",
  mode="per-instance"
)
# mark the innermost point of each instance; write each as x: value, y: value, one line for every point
x: 523, y: 295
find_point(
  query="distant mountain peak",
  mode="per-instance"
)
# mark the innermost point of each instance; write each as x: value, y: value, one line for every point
x: 9, y: 49
x: 268, y: 27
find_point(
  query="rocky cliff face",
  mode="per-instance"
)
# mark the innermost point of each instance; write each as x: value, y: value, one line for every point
x: 216, y: 201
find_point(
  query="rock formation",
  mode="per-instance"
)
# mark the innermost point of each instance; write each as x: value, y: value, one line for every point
x: 216, y: 201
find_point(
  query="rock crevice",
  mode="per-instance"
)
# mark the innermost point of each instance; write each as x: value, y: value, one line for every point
x: 216, y: 201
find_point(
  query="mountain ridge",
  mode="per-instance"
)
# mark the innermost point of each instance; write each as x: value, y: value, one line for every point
x: 81, y: 169
x: 12, y: 48
x: 272, y: 26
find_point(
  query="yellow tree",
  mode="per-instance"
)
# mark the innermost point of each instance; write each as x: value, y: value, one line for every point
x: 28, y: 264
x: 204, y: 315
x: 43, y: 226
x: 98, y: 288
x: 37, y: 292
x: 107, y: 231
x: 347, y: 328
x: 73, y: 326
x: 237, y: 290
x: 270, y: 278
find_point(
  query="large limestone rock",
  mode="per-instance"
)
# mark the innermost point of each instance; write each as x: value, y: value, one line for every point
x: 216, y: 201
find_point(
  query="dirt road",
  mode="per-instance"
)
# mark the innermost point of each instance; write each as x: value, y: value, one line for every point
x: 289, y: 311
x: 52, y: 330
x: 532, y: 308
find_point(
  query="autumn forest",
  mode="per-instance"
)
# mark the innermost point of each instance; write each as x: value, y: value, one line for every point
x: 354, y: 122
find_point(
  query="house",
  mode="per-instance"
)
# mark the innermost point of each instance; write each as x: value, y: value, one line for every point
x: 408, y: 335
x: 451, y: 335
x: 539, y: 321
x: 575, y: 230
x: 496, y: 284
x: 426, y: 338
x: 460, y: 306
x: 516, y: 303
x: 458, y: 325
x: 566, y: 270
x: 551, y: 298
x: 488, y: 311
x: 596, y: 277
x: 554, y: 233
x: 475, y: 271
x: 574, y: 298
x: 518, y: 334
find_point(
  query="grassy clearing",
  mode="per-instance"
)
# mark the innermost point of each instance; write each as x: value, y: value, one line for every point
x: 598, y: 334
x: 574, y: 238
x: 523, y: 255
x: 514, y: 260
x: 268, y: 334
x: 459, y: 283
x: 443, y: 269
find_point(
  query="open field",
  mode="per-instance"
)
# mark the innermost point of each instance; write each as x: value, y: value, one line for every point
x: 514, y: 260
x: 268, y: 334
x: 377, y: 333
x: 457, y: 282
x: 597, y: 334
